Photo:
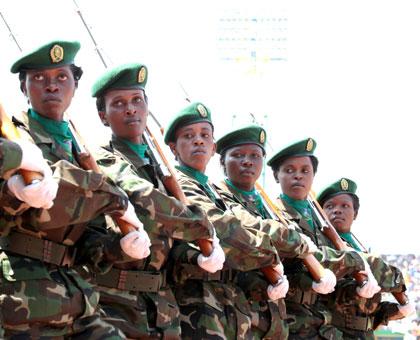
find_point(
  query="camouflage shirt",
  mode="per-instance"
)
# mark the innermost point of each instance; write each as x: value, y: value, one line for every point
x: 143, y: 313
x: 42, y: 287
x: 164, y: 217
x: 356, y: 316
x: 270, y: 316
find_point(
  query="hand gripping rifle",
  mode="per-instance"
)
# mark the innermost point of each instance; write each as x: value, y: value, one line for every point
x: 87, y: 162
x: 312, y: 264
x: 10, y: 132
x: 330, y: 232
x: 169, y: 181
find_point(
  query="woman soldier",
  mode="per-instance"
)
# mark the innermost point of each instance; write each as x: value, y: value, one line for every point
x: 355, y: 316
x: 144, y: 307
x: 214, y: 306
x: 242, y: 154
x: 47, y: 295
x: 294, y: 168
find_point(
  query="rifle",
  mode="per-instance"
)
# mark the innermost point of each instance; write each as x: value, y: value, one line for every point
x: 169, y: 181
x: 10, y: 132
x: 330, y: 232
x: 315, y: 268
x: 87, y: 162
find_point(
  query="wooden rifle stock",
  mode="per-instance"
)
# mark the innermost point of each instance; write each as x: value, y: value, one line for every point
x: 10, y: 132
x: 329, y: 231
x: 88, y: 162
x: 171, y: 184
x: 311, y: 263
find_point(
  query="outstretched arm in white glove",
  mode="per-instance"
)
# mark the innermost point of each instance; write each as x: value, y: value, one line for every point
x: 38, y: 195
x: 279, y: 290
x: 215, y: 260
x: 135, y: 244
x: 327, y: 283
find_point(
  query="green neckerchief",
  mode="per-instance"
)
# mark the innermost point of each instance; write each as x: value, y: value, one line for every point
x: 59, y: 130
x: 253, y: 195
x: 199, y: 177
x: 302, y: 206
x: 139, y: 149
x: 349, y: 238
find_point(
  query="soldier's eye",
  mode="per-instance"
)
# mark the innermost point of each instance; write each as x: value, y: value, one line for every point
x: 118, y: 103
x: 63, y: 77
x: 38, y: 76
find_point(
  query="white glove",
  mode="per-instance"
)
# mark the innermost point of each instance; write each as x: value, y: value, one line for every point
x: 38, y: 195
x: 215, y: 261
x: 327, y: 283
x: 278, y: 291
x: 136, y: 244
x: 371, y: 287
x: 32, y: 158
x: 407, y: 309
x: 311, y: 245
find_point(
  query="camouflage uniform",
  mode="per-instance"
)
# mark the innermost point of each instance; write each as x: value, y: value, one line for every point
x: 41, y: 295
x: 355, y: 316
x: 143, y: 306
x: 309, y: 318
x: 10, y: 157
x: 211, y: 304
x: 268, y: 317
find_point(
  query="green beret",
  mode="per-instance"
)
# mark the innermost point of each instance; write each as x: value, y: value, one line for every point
x: 342, y: 186
x: 54, y: 54
x: 252, y: 134
x: 304, y: 147
x: 125, y: 76
x: 193, y: 113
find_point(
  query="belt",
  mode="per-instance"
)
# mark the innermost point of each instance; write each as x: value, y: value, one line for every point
x: 359, y: 323
x: 194, y: 272
x: 303, y: 297
x: 133, y: 280
x: 39, y: 249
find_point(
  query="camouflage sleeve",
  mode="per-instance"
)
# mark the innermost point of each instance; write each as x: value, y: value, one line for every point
x: 390, y: 278
x: 82, y: 196
x: 99, y: 247
x: 184, y: 252
x: 385, y: 312
x: 245, y: 248
x: 10, y: 157
x: 287, y: 241
x: 341, y: 263
x: 171, y: 217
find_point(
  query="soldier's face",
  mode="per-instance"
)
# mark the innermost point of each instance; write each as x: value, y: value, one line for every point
x: 243, y: 165
x: 194, y: 146
x: 340, y: 212
x: 295, y: 176
x: 126, y: 113
x: 50, y: 91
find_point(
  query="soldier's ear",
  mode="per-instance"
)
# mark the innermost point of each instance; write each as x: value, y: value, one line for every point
x: 275, y: 173
x: 172, y: 146
x: 102, y: 117
x: 214, y: 149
